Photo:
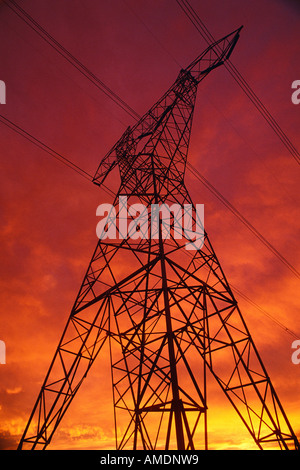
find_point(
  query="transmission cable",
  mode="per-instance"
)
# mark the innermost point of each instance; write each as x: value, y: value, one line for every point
x: 267, y: 314
x: 198, y: 23
x: 79, y: 66
x: 44, y: 34
x: 234, y: 211
x: 208, y: 37
x: 38, y: 143
x: 89, y: 177
x: 69, y: 57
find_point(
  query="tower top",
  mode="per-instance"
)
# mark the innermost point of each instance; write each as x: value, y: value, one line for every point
x: 214, y: 56
x: 156, y: 146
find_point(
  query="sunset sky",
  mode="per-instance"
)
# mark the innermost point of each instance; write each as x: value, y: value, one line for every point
x: 48, y: 212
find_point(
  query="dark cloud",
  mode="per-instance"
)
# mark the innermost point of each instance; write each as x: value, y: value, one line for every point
x: 294, y: 4
x: 8, y: 441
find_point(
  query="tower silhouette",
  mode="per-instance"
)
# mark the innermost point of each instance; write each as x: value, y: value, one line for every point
x: 158, y: 295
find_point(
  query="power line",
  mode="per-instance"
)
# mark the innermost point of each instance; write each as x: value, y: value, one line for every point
x: 198, y: 23
x: 250, y: 227
x: 58, y: 156
x: 240, y: 80
x: 209, y: 38
x: 193, y: 170
x: 262, y: 310
x: 70, y: 58
x: 89, y: 177
x: 79, y: 66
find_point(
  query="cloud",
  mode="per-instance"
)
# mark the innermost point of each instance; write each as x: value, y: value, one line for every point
x: 8, y: 441
x: 48, y: 212
x: 13, y: 391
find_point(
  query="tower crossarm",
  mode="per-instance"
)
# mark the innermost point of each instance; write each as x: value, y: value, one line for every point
x: 214, y: 56
x: 181, y: 94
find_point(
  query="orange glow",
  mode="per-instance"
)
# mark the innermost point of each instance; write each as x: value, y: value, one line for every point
x: 48, y: 212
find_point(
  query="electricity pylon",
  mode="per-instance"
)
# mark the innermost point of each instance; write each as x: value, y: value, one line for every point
x: 158, y: 296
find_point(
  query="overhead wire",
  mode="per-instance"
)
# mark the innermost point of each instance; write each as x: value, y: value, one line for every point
x: 33, y: 24
x: 238, y: 214
x: 267, y: 314
x: 79, y: 66
x: 38, y: 143
x: 240, y: 80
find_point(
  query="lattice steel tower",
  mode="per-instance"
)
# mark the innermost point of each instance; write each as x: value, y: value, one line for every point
x: 167, y: 311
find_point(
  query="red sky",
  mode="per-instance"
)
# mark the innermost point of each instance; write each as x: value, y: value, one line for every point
x: 48, y: 211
